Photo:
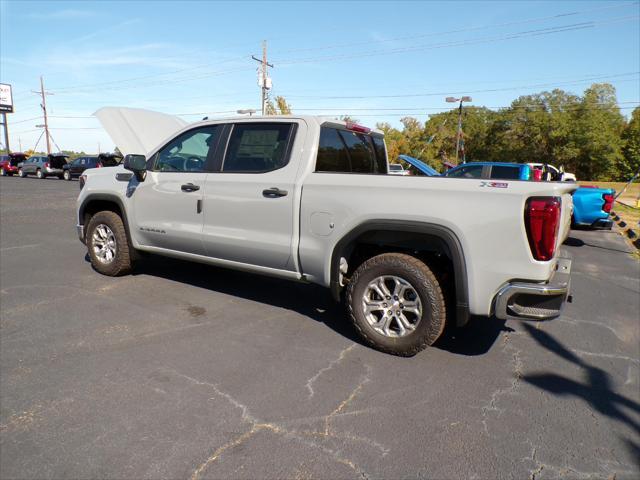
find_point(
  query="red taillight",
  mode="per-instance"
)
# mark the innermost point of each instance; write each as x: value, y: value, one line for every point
x: 99, y: 165
x: 542, y: 219
x: 354, y: 127
x: 46, y: 165
x: 608, y: 202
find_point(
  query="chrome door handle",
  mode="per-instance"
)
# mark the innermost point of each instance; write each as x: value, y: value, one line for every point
x: 189, y: 187
x: 274, y: 192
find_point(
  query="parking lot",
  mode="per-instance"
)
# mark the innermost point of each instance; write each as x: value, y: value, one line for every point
x: 188, y: 371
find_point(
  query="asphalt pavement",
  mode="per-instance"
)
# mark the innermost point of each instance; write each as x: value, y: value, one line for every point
x: 189, y: 371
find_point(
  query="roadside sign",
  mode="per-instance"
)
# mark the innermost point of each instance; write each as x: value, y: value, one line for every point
x: 6, y: 98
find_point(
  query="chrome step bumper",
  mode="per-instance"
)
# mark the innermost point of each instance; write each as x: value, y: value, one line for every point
x: 536, y: 301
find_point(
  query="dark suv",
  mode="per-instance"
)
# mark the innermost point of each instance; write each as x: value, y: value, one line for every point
x: 80, y: 164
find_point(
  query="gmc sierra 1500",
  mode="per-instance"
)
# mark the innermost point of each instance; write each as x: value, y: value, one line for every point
x: 309, y: 199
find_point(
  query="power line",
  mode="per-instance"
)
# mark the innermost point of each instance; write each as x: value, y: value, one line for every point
x: 461, y: 30
x: 448, y: 92
x: 459, y: 43
x: 132, y: 79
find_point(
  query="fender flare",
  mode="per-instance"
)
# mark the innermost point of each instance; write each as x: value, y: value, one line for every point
x: 105, y: 197
x: 444, y: 234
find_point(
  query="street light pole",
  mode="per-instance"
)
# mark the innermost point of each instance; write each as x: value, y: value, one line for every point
x: 459, y: 132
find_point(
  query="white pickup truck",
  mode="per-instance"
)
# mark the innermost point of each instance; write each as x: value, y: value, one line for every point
x: 310, y: 199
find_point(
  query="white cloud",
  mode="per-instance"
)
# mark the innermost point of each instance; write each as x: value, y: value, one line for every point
x: 69, y: 13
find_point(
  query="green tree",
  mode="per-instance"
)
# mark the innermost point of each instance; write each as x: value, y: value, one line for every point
x: 281, y: 107
x: 598, y: 130
x: 629, y: 164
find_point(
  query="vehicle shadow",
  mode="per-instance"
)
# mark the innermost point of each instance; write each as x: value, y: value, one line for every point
x: 596, y: 390
x: 312, y: 301
x: 573, y: 242
x: 475, y: 338
x: 576, y: 242
x: 309, y: 300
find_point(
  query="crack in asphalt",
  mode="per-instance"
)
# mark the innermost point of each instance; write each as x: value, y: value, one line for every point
x: 491, y: 405
x: 257, y: 425
x: 312, y: 380
x: 605, y: 355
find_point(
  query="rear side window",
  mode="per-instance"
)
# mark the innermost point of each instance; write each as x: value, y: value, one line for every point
x: 505, y: 173
x: 472, y: 171
x: 350, y: 152
x: 332, y: 152
x: 257, y: 147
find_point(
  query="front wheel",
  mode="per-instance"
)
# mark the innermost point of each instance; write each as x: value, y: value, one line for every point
x: 108, y: 245
x: 21, y: 173
x: 396, y: 304
x: 40, y: 174
x: 67, y: 175
x: 3, y: 172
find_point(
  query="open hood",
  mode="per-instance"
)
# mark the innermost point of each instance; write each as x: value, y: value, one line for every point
x: 420, y: 165
x: 138, y: 131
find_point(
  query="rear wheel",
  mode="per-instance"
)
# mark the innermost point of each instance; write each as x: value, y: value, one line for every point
x: 108, y: 245
x: 67, y: 175
x: 40, y: 174
x: 3, y: 172
x: 396, y: 304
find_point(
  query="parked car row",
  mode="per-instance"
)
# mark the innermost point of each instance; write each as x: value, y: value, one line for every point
x: 591, y: 205
x: 54, y: 164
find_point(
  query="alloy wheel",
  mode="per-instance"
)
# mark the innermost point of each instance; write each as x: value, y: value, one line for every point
x: 392, y: 306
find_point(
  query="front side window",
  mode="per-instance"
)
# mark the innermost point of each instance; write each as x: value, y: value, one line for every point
x: 257, y: 148
x: 188, y: 152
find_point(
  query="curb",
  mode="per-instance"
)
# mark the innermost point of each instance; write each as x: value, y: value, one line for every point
x: 627, y: 231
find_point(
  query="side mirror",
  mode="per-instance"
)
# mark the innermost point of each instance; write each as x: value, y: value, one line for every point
x: 137, y: 164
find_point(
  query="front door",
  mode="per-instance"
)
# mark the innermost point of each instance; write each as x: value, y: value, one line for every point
x: 167, y: 205
x: 249, y: 203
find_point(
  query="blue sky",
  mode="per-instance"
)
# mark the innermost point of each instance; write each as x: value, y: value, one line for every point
x: 377, y: 61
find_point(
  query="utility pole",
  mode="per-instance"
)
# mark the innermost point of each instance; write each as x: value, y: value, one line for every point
x: 6, y: 132
x: 459, y: 132
x: 43, y: 96
x: 263, y: 76
x: 20, y: 143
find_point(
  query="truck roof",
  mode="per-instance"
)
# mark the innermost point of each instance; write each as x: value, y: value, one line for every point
x: 129, y: 127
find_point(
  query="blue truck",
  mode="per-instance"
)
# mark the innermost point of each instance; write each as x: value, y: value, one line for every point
x: 591, y: 205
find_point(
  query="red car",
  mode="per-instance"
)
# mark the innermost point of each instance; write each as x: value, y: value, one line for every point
x: 9, y: 163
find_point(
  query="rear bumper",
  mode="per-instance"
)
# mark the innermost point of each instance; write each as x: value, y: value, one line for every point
x: 602, y: 224
x: 536, y: 301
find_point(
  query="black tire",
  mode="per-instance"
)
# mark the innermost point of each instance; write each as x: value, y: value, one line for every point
x: 67, y: 175
x: 21, y: 173
x: 121, y: 262
x: 3, y: 172
x: 429, y: 327
x: 40, y: 174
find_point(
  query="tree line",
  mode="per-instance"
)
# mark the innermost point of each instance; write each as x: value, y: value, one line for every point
x: 586, y: 134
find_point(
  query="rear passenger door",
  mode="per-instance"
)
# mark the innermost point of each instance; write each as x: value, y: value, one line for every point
x: 249, y: 202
